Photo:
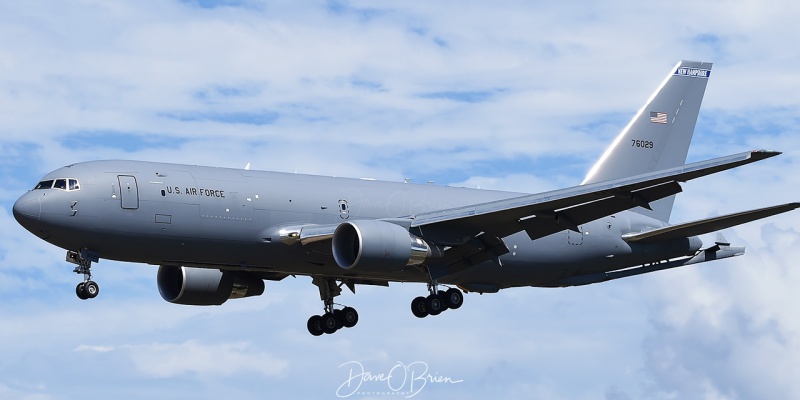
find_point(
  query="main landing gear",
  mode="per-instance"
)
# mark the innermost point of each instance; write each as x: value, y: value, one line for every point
x: 437, y: 301
x: 88, y: 289
x: 434, y: 304
x: 332, y: 320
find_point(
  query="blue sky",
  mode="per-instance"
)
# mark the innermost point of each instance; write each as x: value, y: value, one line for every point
x: 518, y: 96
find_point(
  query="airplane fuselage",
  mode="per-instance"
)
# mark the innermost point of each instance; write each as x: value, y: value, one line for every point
x: 170, y: 214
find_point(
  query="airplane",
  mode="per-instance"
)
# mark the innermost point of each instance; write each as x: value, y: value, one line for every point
x: 219, y: 233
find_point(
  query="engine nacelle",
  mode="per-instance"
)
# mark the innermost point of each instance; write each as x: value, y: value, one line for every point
x: 205, y: 287
x: 377, y: 245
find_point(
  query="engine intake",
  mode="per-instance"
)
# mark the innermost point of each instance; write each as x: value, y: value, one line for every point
x: 377, y: 245
x: 205, y: 287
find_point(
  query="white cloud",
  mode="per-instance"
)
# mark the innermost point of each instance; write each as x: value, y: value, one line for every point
x: 98, y: 349
x: 166, y: 360
x: 23, y: 394
x: 727, y: 329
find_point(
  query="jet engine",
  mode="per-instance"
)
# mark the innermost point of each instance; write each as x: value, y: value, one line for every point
x: 377, y: 245
x: 205, y: 287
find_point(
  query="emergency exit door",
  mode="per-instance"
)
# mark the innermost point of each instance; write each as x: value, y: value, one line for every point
x: 128, y: 192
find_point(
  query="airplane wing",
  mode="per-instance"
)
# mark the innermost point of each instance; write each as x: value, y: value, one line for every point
x: 549, y: 212
x: 707, y: 225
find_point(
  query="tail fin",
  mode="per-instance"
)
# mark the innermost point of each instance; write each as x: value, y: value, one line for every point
x: 658, y: 136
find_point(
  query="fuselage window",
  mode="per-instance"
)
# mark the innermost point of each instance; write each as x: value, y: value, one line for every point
x: 74, y: 185
x: 60, y: 184
x: 44, y: 185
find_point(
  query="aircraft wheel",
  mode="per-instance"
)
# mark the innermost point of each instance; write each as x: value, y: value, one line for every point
x: 315, y: 325
x: 91, y: 289
x: 349, y: 317
x: 339, y: 315
x: 329, y: 323
x: 453, y: 298
x: 443, y: 298
x: 434, y: 304
x: 81, y: 292
x: 418, y: 307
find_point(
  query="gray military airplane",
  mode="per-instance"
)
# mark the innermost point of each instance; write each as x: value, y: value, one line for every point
x: 219, y: 233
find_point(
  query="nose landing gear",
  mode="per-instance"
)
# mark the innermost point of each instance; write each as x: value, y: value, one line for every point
x: 88, y: 289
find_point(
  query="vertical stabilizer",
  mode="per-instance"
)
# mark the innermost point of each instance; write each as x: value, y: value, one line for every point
x: 658, y: 136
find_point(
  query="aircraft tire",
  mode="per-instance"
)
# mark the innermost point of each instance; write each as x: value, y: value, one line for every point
x: 314, y: 325
x: 91, y: 289
x: 434, y: 304
x: 329, y: 323
x: 80, y: 292
x: 419, y: 308
x: 349, y: 317
x: 453, y: 298
x: 339, y: 315
x: 443, y: 298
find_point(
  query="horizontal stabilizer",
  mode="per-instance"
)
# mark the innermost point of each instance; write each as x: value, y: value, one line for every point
x: 707, y: 225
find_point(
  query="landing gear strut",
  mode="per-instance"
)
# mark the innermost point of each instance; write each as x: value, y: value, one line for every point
x: 332, y: 319
x: 437, y: 301
x: 88, y: 289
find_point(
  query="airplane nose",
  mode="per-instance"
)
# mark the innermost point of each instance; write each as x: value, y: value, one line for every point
x: 27, y: 209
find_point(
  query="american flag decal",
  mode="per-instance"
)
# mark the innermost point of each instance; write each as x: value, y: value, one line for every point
x: 658, y: 117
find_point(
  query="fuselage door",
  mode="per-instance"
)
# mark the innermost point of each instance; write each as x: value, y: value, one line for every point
x: 128, y: 192
x: 575, y: 238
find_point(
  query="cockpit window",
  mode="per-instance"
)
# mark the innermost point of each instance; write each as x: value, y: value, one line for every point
x: 44, y: 185
x: 62, y: 183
